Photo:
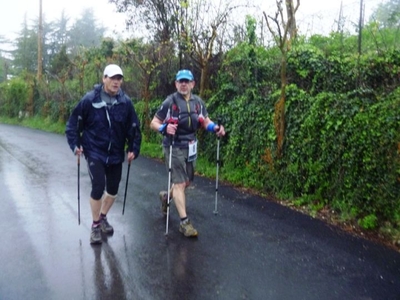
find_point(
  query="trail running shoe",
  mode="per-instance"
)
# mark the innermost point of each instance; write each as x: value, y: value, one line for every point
x: 187, y: 229
x: 164, y: 199
x: 95, y: 235
x: 105, y: 226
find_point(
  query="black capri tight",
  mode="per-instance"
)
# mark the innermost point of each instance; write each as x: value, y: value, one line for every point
x: 104, y: 178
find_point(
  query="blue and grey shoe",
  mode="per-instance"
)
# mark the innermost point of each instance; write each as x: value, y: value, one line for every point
x: 95, y: 235
x: 105, y: 226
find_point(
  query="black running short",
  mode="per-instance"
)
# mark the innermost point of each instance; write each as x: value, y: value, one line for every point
x: 104, y: 178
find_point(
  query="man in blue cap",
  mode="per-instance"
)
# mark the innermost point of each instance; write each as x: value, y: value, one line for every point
x: 180, y: 115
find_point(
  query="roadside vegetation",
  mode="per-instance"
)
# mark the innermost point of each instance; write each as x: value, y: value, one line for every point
x: 312, y: 122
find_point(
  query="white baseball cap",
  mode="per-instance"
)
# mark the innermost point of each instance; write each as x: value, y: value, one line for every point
x: 112, y: 70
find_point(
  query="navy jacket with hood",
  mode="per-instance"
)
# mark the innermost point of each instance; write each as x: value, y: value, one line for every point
x: 105, y: 130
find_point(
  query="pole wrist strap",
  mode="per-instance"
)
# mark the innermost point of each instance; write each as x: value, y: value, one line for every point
x: 210, y: 127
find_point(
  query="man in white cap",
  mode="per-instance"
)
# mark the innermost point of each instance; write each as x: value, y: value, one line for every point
x: 180, y: 116
x: 99, y: 127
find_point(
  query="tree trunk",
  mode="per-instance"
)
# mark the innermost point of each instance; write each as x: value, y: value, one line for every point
x: 204, y: 81
x: 279, y: 118
x: 284, y: 44
x: 291, y: 22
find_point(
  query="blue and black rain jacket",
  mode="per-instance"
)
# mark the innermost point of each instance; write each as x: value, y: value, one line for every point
x: 105, y: 129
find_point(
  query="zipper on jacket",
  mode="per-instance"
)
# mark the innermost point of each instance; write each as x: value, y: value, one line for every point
x: 109, y: 127
x: 189, y: 115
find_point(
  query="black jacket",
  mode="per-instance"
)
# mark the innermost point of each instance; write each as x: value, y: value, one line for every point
x: 105, y: 130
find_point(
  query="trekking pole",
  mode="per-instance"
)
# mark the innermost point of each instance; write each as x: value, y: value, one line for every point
x: 169, y: 182
x: 131, y: 139
x: 126, y: 186
x: 79, y: 130
x: 216, y: 177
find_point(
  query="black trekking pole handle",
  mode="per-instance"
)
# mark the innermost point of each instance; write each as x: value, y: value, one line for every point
x: 79, y: 128
x: 132, y: 135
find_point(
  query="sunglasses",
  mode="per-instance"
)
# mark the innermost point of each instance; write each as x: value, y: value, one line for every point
x: 184, y: 81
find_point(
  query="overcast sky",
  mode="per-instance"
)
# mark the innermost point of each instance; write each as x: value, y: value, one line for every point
x: 319, y: 16
x: 12, y: 14
x: 314, y: 16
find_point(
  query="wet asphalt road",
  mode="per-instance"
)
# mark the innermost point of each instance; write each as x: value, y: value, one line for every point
x: 252, y: 249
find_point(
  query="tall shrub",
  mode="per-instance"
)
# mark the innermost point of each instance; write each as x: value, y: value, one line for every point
x: 15, y: 97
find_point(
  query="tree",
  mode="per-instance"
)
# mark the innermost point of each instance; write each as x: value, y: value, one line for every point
x: 204, y: 23
x: 147, y: 60
x: 157, y: 17
x: 284, y: 35
x: 25, y: 53
x: 85, y: 32
x: 4, y: 60
x: 387, y: 14
x: 57, y: 36
x: 195, y: 28
x: 26, y: 49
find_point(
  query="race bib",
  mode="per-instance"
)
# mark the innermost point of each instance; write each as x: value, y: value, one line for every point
x: 192, y: 155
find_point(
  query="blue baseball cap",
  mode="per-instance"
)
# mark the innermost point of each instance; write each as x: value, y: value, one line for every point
x: 184, y: 74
